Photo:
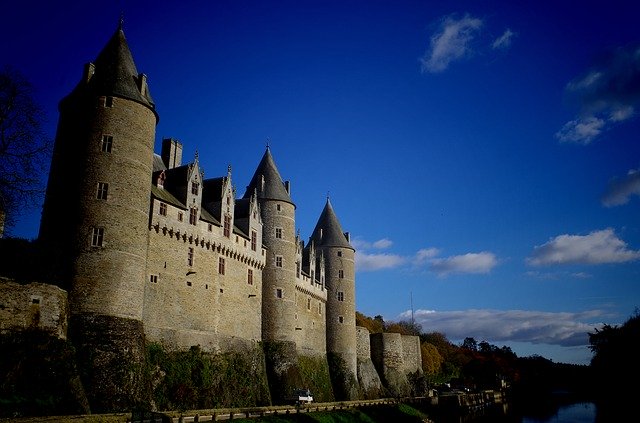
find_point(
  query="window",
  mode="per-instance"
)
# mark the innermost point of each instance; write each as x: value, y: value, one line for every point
x: 97, y: 237
x: 340, y: 296
x: 210, y: 227
x: 278, y: 261
x: 163, y: 209
x: 194, y: 188
x: 297, y: 269
x: 278, y: 207
x: 190, y: 257
x: 153, y: 278
x: 189, y: 283
x: 279, y: 293
x: 107, y: 143
x: 340, y: 319
x: 279, y: 233
x: 180, y: 216
x: 227, y: 226
x: 341, y: 274
x: 193, y: 216
x: 250, y: 276
x: 221, y: 265
x: 103, y: 189
x: 308, y: 303
x: 339, y: 253
x: 108, y: 101
x: 319, y: 308
x: 254, y: 240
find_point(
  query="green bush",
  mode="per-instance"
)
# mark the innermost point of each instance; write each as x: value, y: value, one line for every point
x: 194, y: 379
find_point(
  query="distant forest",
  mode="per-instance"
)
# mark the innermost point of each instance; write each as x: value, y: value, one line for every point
x: 476, y: 365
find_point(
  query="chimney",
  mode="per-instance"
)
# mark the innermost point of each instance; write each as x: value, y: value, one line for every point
x: 171, y: 153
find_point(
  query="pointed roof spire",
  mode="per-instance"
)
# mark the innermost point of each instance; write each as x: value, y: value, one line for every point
x: 273, y: 188
x: 328, y: 231
x: 116, y: 74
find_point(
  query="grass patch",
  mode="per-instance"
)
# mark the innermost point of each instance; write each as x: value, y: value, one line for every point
x: 373, y: 414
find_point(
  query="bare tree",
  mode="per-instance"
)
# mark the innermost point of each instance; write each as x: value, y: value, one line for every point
x: 24, y: 148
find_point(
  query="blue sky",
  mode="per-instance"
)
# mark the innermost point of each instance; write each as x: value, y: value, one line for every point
x: 484, y: 156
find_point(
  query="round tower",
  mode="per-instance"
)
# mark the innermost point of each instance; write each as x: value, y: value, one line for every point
x: 96, y: 212
x: 97, y: 202
x: 339, y: 258
x: 278, y: 235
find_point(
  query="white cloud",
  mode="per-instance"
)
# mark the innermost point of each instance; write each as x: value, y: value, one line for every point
x: 581, y: 130
x: 564, y: 328
x: 424, y: 255
x: 620, y: 190
x: 621, y: 113
x: 450, y: 43
x: 608, y: 93
x: 596, y: 248
x: 372, y: 262
x: 467, y: 263
x: 504, y: 41
x: 382, y: 244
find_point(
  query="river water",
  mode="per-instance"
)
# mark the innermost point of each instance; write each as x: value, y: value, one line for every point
x: 579, y: 412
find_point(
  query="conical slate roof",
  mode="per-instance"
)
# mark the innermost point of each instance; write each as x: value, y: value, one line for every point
x: 273, y: 187
x: 116, y: 74
x: 328, y: 232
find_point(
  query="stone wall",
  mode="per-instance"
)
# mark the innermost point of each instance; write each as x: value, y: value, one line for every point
x: 387, y: 356
x: 310, y: 318
x: 185, y: 298
x: 368, y: 378
x: 35, y: 305
x: 411, y: 354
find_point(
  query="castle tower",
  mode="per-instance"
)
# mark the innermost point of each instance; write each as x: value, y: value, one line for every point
x: 339, y: 257
x: 279, y: 237
x: 96, y: 212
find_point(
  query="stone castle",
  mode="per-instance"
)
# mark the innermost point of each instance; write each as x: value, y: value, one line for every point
x: 150, y: 249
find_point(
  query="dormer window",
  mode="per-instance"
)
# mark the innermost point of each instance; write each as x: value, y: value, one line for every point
x: 161, y: 177
x: 193, y: 216
x: 195, y: 188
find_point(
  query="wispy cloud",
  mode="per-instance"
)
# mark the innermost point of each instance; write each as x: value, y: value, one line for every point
x: 537, y: 327
x: 620, y: 190
x: 598, y: 247
x: 467, y: 263
x: 557, y: 275
x: 607, y: 94
x: 451, y: 42
x: 425, y: 255
x: 581, y: 130
x: 366, y: 262
x: 504, y: 41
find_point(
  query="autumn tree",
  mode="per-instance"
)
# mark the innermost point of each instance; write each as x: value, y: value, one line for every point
x: 431, y: 359
x: 24, y: 149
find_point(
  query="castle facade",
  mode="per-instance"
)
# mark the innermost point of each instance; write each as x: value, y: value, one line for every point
x: 151, y: 250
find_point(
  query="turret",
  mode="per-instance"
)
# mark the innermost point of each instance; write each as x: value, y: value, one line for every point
x: 96, y: 210
x: 97, y: 201
x: 339, y: 265
x: 279, y: 237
